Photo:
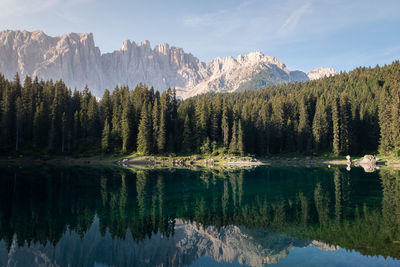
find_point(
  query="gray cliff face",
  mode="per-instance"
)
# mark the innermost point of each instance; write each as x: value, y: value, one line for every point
x: 76, y: 60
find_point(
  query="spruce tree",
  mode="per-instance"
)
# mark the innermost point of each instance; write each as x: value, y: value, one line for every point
x: 156, y: 123
x: 18, y: 122
x: 144, y: 135
x: 395, y: 123
x: 225, y: 124
x: 37, y: 118
x: 345, y: 129
x: 240, y: 139
x: 385, y: 122
x: 303, y: 130
x: 320, y: 126
x: 105, y: 140
x: 6, y: 118
x: 187, y: 142
x: 126, y: 127
x: 162, y: 132
x: 336, y: 129
x: 63, y: 131
x: 233, y: 146
x: 93, y: 118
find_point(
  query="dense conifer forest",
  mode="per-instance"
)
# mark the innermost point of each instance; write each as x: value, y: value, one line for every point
x: 353, y: 112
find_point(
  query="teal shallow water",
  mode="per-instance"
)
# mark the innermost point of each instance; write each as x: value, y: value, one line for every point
x: 85, y: 216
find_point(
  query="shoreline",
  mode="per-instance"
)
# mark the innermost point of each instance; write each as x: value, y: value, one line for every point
x: 192, y: 161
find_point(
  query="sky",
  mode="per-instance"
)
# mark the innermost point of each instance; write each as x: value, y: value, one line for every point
x: 304, y: 34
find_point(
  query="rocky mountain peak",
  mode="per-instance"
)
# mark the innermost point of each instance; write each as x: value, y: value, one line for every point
x: 319, y: 73
x: 75, y: 59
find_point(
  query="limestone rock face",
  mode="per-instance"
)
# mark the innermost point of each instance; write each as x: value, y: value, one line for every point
x: 76, y: 60
x: 321, y: 73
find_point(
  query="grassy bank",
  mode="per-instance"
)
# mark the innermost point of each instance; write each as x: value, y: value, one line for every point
x: 192, y: 160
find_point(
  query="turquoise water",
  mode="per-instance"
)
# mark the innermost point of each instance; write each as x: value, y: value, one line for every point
x: 288, y: 216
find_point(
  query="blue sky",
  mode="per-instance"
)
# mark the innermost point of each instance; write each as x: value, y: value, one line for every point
x: 303, y: 34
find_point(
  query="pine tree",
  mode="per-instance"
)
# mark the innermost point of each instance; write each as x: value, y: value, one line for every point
x: 336, y: 129
x: 19, y: 110
x: 162, y: 132
x: 63, y: 131
x: 395, y: 123
x: 225, y: 124
x: 303, y: 130
x: 6, y: 119
x: 240, y: 139
x: 156, y: 123
x: 93, y: 119
x: 385, y: 122
x: 345, y: 130
x: 290, y: 136
x: 320, y: 126
x: 83, y: 114
x: 233, y: 146
x: 126, y: 126
x: 105, y: 140
x: 201, y: 115
x: 144, y: 135
x: 187, y: 142
x: 106, y: 106
x: 37, y: 121
x: 76, y: 130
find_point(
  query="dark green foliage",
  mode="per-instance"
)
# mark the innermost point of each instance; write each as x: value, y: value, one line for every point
x: 187, y: 143
x: 105, y: 140
x: 352, y: 112
x: 144, y: 135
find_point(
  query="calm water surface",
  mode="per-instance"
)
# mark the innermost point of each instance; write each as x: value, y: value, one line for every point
x: 280, y: 216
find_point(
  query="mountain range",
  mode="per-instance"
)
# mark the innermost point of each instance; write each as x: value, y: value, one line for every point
x: 75, y: 59
x: 189, y: 245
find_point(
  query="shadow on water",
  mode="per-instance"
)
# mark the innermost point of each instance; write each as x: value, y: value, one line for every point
x: 83, y: 216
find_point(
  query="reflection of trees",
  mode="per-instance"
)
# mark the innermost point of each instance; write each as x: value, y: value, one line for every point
x: 338, y: 195
x: 41, y: 207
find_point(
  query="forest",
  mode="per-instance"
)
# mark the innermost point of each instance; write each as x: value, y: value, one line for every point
x: 355, y: 112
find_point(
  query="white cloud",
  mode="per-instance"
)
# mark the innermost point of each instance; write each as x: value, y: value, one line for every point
x: 18, y: 8
x: 12, y: 8
x: 293, y: 20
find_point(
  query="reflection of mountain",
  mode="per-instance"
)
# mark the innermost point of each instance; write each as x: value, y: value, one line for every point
x: 237, y: 209
x: 189, y: 243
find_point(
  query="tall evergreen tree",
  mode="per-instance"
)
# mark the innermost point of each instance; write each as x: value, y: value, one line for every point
x: 240, y: 139
x: 233, y: 146
x: 187, y: 142
x: 144, y: 135
x: 225, y: 124
x: 345, y: 130
x: 385, y: 121
x: 156, y: 123
x: 93, y: 117
x: 105, y: 140
x: 336, y: 129
x: 304, y: 140
x: 126, y: 126
x: 162, y: 132
x: 320, y: 126
x: 19, y: 116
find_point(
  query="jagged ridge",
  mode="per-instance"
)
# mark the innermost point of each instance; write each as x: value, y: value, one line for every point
x: 74, y: 58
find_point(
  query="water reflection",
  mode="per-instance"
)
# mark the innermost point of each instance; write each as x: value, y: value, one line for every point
x: 82, y: 216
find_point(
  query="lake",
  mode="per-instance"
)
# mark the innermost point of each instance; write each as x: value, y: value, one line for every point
x: 284, y: 216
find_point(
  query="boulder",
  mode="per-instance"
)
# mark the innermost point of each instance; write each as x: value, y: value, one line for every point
x: 368, y: 163
x: 369, y: 159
